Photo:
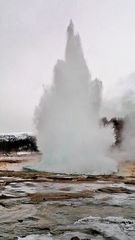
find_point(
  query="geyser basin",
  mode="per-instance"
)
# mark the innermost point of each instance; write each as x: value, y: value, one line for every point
x: 67, y: 118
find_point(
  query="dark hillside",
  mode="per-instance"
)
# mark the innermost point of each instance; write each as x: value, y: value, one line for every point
x: 17, y: 143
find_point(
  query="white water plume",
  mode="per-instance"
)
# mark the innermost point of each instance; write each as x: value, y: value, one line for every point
x: 68, y: 117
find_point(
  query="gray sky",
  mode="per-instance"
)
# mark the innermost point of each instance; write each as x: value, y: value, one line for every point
x: 32, y: 38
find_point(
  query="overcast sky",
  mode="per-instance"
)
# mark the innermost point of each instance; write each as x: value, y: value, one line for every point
x: 32, y: 38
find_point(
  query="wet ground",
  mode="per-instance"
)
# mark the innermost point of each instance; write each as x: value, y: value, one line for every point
x: 49, y: 206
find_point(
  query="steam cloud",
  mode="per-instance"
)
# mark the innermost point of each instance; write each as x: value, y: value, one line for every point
x: 123, y: 106
x: 67, y: 118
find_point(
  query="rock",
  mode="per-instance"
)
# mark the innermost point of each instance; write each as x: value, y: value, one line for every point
x: 75, y: 238
x: 20, y: 220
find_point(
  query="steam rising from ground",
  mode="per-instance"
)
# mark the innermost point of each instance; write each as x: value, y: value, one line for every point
x: 122, y: 105
x: 67, y: 118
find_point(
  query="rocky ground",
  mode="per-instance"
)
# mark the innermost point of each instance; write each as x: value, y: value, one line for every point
x: 49, y: 206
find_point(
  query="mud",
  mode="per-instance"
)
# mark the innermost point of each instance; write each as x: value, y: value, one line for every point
x: 47, y: 206
x: 55, y: 206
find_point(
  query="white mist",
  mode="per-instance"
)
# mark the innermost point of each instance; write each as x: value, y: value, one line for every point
x: 68, y: 116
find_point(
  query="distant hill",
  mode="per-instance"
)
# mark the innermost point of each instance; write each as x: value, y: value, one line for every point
x: 17, y: 143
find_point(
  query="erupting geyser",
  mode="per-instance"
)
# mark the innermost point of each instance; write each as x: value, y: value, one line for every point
x: 67, y: 118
